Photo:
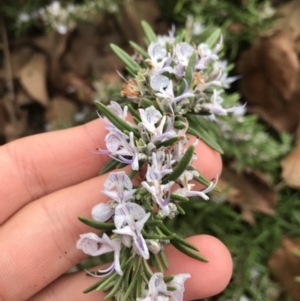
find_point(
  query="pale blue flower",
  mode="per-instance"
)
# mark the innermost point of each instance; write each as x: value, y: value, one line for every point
x: 183, y: 53
x: 122, y: 186
x: 119, y: 147
x: 158, y: 290
x: 168, y: 93
x: 158, y: 81
x: 118, y: 110
x: 150, y: 117
x: 89, y: 244
x: 158, y: 55
x: 160, y: 192
x: 129, y: 220
x: 102, y: 212
x: 187, y: 187
x: 178, y: 283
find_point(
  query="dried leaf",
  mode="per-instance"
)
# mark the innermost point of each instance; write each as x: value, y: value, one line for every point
x: 60, y: 113
x: 289, y: 16
x: 286, y: 266
x: 270, y: 71
x: 251, y: 191
x: 19, y: 57
x: 33, y: 78
x: 291, y: 165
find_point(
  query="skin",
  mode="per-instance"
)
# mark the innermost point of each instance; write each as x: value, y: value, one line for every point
x: 47, y: 181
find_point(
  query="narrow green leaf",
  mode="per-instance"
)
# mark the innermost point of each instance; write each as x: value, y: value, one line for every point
x: 116, y: 287
x: 106, y: 282
x: 178, y: 239
x: 181, y: 166
x: 180, y: 210
x: 121, y: 165
x: 179, y: 125
x: 147, y: 270
x: 213, y: 38
x: 205, y: 182
x: 147, y: 103
x: 189, y: 73
x: 111, y: 164
x: 150, y: 34
x: 154, y: 223
x: 153, y: 236
x: 168, y: 142
x: 92, y: 287
x: 177, y: 197
x: 139, y: 287
x: 168, y: 279
x: 129, y: 62
x: 139, y: 49
x: 133, y: 112
x: 188, y: 251
x: 116, y: 120
x: 132, y: 284
x: 97, y: 225
x: 164, y: 259
x: 132, y: 174
x: 156, y: 262
x: 201, y: 134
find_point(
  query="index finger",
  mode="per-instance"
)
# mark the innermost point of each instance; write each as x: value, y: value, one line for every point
x: 38, y: 165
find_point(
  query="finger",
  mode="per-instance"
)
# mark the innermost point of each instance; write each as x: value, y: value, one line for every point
x: 50, y: 230
x: 207, y: 279
x: 41, y: 164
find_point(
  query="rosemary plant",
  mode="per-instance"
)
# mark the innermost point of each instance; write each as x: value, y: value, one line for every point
x: 172, y: 86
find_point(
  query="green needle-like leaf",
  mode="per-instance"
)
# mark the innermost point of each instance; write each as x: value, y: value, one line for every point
x: 92, y: 287
x: 201, y: 134
x: 111, y: 164
x: 156, y: 262
x: 180, y: 210
x: 116, y: 120
x: 177, y: 197
x: 133, y: 283
x: 150, y: 34
x: 116, y: 287
x: 139, y: 49
x: 97, y: 225
x: 189, y: 73
x: 213, y: 38
x: 129, y: 62
x: 168, y: 142
x: 133, y: 112
x: 168, y: 279
x: 188, y: 251
x: 181, y: 166
x: 164, y: 259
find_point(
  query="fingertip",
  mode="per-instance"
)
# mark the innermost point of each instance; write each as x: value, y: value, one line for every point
x: 207, y: 279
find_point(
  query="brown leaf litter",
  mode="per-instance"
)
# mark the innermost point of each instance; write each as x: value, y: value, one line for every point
x: 285, y: 264
x: 270, y: 71
x: 251, y: 191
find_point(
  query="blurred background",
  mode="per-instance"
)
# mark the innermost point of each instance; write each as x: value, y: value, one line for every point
x: 56, y: 60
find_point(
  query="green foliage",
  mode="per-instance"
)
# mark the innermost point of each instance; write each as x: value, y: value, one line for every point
x: 240, y: 21
x: 251, y: 247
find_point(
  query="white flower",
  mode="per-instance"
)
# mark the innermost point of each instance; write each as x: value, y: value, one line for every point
x: 158, y: 82
x: 187, y: 189
x: 89, y: 244
x: 118, y: 181
x: 117, y: 109
x: 183, y: 52
x: 127, y: 214
x: 102, y: 212
x: 158, y: 290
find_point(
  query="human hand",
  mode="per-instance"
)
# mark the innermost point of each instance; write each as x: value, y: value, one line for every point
x: 47, y: 181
